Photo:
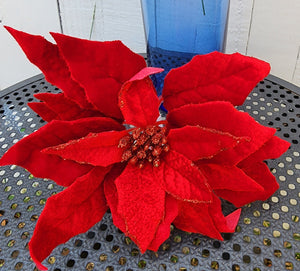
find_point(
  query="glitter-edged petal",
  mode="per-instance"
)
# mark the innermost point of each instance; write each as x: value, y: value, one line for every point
x: 197, y: 142
x: 222, y: 116
x: 101, y: 68
x: 141, y: 203
x: 181, y: 178
x: 229, y: 178
x: 213, y: 77
x: 27, y: 152
x: 206, y: 219
x: 138, y: 100
x: 68, y: 213
x: 97, y: 149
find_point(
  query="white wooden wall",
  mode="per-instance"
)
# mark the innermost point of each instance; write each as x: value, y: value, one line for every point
x: 268, y: 29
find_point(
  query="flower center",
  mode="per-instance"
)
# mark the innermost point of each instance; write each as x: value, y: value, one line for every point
x: 144, y: 145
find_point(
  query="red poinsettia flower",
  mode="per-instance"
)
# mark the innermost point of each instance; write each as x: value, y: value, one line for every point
x: 153, y: 173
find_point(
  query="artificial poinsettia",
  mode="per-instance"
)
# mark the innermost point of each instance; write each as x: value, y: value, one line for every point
x: 149, y: 173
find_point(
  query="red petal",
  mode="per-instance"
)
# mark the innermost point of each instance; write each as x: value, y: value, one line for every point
x: 47, y: 58
x: 138, y: 100
x: 206, y: 219
x: 229, y: 178
x: 27, y: 152
x: 43, y: 111
x: 260, y: 173
x: 111, y: 194
x: 197, y: 142
x: 163, y: 231
x: 101, y: 68
x: 272, y: 149
x: 68, y: 213
x: 224, y: 117
x: 141, y: 203
x: 97, y: 149
x: 181, y: 179
x: 65, y: 108
x: 213, y: 77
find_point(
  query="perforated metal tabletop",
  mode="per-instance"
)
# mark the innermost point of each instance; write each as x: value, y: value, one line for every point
x: 266, y: 238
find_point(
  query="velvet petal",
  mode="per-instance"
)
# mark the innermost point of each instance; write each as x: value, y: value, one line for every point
x: 101, y: 68
x: 97, y: 149
x: 260, y: 173
x: 196, y: 218
x: 47, y: 58
x: 138, y: 100
x: 142, y: 218
x: 27, y: 152
x: 213, y: 77
x: 111, y: 195
x: 163, y: 231
x: 224, y: 117
x: 206, y: 219
x: 229, y: 178
x: 197, y: 142
x: 180, y: 178
x: 272, y: 149
x: 43, y: 111
x: 65, y: 108
x: 68, y: 213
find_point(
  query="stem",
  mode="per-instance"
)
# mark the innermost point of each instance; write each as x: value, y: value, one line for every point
x: 203, y: 7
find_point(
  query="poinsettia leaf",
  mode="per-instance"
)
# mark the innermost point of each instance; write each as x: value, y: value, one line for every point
x: 224, y: 117
x: 229, y: 178
x: 260, y: 173
x: 272, y: 149
x: 43, y: 111
x: 45, y: 55
x: 27, y: 152
x: 138, y: 100
x: 111, y: 195
x: 69, y: 213
x: 181, y: 178
x: 65, y: 108
x: 163, y: 231
x: 141, y: 203
x: 101, y: 68
x: 213, y: 77
x: 197, y: 142
x: 97, y: 149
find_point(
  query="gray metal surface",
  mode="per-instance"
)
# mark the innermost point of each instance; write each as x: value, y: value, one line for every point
x: 267, y: 237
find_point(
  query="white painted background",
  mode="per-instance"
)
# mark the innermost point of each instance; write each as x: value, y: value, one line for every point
x: 268, y: 29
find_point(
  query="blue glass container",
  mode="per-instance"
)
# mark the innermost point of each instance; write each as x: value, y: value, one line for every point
x: 176, y: 30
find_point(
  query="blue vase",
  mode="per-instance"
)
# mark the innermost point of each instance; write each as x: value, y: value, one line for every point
x: 177, y: 30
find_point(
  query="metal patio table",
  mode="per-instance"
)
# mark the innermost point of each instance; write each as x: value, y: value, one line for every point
x: 267, y: 236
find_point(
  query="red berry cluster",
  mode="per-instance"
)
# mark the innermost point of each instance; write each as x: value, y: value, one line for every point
x: 143, y: 145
